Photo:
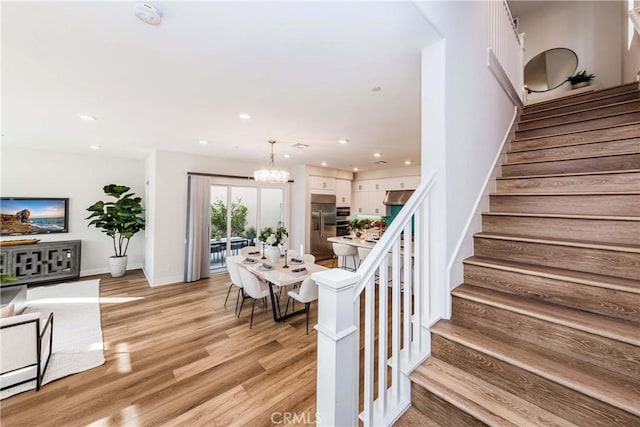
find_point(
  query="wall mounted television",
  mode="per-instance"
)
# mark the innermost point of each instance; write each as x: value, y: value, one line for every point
x: 20, y: 216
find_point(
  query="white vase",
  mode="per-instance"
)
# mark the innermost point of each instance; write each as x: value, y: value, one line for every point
x: 118, y: 265
x: 273, y: 253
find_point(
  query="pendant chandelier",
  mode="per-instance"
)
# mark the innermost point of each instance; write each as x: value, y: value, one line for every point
x: 271, y: 175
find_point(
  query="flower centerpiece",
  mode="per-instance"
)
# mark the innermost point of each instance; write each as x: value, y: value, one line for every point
x: 273, y: 238
x: 356, y: 226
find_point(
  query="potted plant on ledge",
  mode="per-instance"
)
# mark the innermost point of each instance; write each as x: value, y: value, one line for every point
x: 120, y: 220
x: 580, y: 79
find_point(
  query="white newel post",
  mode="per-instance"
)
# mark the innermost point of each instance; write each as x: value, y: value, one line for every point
x: 338, y: 339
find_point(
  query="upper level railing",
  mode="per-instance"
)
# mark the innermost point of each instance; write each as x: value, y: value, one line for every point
x: 506, y: 49
x: 395, y: 323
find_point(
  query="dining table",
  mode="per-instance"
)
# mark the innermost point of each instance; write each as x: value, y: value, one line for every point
x: 278, y: 276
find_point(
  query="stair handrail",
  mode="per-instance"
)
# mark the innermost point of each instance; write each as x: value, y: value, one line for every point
x: 367, y: 269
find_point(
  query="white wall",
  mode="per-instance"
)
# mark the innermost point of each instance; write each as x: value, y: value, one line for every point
x: 35, y: 173
x: 630, y: 45
x: 464, y: 120
x: 592, y: 29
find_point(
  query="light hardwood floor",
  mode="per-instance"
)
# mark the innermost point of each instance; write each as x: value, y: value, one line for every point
x: 176, y: 356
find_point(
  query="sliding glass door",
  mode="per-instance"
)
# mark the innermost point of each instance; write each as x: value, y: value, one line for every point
x: 251, y: 208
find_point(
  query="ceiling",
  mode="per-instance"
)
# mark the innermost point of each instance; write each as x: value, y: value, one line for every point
x: 304, y: 71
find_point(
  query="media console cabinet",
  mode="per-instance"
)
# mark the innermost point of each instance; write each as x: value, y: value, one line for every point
x: 41, y: 262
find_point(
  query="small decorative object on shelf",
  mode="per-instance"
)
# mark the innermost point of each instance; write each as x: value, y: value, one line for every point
x: 580, y: 79
x: 19, y: 242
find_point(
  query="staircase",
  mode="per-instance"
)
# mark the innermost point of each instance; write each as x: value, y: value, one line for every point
x: 545, y: 329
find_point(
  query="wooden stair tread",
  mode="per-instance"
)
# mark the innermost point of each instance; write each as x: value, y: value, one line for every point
x: 632, y: 85
x: 556, y: 175
x: 581, y: 320
x: 576, y: 131
x: 561, y: 242
x: 580, y: 193
x: 565, y: 216
x: 486, y: 402
x: 589, y: 279
x: 570, y: 113
x: 594, y: 156
x: 415, y: 418
x: 589, y: 382
x: 572, y: 144
x: 586, y: 101
x: 604, y: 116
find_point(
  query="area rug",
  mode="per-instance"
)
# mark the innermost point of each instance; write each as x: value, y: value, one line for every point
x: 77, y: 331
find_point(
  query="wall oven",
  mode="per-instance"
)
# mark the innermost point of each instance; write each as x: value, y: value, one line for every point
x: 342, y: 221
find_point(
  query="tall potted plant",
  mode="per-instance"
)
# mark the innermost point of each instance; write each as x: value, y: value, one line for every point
x: 120, y: 220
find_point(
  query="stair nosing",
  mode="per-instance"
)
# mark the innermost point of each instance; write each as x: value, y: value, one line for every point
x: 459, y: 400
x: 575, y: 131
x: 536, y: 370
x: 587, y: 157
x: 564, y: 216
x: 549, y: 101
x: 580, y: 121
x: 568, y: 113
x: 530, y: 311
x: 597, y: 280
x: 561, y: 242
x: 559, y: 175
x: 583, y: 102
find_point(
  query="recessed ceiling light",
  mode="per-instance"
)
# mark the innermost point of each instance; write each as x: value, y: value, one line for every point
x: 324, y: 163
x: 407, y: 162
x: 86, y: 117
x: 355, y: 169
x: 244, y: 116
x: 203, y: 142
x: 376, y: 89
x: 343, y: 141
x: 95, y: 147
x: 377, y: 154
x: 287, y: 156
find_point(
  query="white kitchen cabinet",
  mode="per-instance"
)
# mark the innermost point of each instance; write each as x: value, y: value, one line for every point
x: 360, y: 202
x: 322, y: 184
x: 343, y: 192
x: 361, y: 186
x: 375, y: 202
x: 403, y: 183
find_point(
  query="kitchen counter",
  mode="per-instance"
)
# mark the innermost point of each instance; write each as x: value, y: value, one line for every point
x: 362, y: 243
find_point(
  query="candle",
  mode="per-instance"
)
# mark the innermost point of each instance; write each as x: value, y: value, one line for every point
x: 301, y: 249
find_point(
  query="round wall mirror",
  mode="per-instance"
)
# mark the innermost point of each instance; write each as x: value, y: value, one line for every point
x: 549, y: 69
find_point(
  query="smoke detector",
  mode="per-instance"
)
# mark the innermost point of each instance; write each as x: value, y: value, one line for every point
x: 148, y: 13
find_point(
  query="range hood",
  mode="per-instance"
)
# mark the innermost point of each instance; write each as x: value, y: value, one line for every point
x: 397, y: 197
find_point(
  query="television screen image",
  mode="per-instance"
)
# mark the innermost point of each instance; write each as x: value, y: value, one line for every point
x: 26, y: 216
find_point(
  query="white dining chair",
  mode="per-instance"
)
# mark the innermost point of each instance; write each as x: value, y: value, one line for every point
x: 308, y: 258
x: 248, y: 249
x: 343, y: 251
x: 253, y: 288
x: 307, y: 293
x: 234, y: 274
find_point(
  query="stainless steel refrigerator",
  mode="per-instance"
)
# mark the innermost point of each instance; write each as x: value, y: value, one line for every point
x: 323, y: 225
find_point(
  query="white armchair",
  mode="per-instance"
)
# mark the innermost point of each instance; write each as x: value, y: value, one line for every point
x: 25, y: 348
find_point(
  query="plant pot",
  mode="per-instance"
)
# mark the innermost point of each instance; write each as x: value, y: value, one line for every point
x: 118, y: 265
x: 579, y: 85
x: 273, y: 253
